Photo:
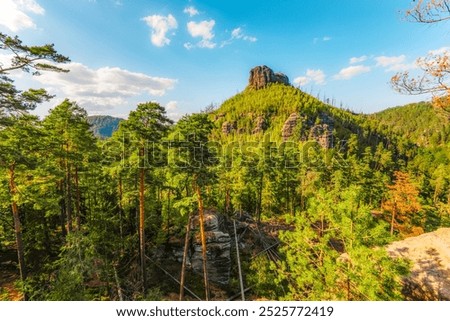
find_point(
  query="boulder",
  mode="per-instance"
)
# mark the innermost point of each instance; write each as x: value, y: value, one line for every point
x: 261, y: 76
x: 429, y: 254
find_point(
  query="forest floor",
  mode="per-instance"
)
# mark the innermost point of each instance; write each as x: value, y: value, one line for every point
x: 8, y: 276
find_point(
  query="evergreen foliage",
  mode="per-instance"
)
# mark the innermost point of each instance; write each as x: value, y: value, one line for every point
x: 93, y: 219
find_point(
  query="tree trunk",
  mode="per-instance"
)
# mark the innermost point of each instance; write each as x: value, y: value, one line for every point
x: 142, y: 224
x: 121, y: 213
x: 259, y: 204
x: 393, y: 221
x: 227, y: 199
x: 77, y: 200
x: 185, y: 254
x: 203, y: 238
x: 17, y: 226
x: 62, y: 207
x: 68, y: 199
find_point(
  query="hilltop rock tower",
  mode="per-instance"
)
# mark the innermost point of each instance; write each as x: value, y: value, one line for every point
x: 261, y: 76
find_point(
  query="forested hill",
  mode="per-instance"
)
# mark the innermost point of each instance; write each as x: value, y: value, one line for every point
x: 419, y: 123
x: 95, y: 219
x: 103, y: 126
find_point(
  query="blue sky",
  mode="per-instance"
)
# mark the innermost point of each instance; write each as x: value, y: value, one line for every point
x: 189, y: 54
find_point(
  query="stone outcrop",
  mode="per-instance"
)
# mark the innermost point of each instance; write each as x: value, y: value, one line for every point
x: 430, y: 257
x: 261, y: 76
x: 323, y: 135
x: 281, y: 78
x: 289, y: 125
x: 218, y: 244
x: 260, y: 125
x: 321, y: 132
x: 227, y: 127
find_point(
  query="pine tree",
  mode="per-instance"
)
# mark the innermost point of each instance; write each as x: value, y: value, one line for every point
x: 146, y: 125
x: 194, y: 157
x: 19, y: 143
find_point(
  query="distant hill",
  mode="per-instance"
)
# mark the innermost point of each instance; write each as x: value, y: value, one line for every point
x: 103, y: 126
x: 419, y: 123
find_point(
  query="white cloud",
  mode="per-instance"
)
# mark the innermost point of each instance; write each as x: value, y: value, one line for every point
x: 237, y: 34
x: 203, y: 30
x: 191, y: 11
x: 13, y: 14
x: 317, y: 76
x: 160, y: 26
x: 172, y: 110
x: 394, y: 63
x: 357, y: 60
x: 440, y: 51
x: 385, y: 61
x: 172, y: 105
x: 324, y: 39
x: 352, y: 71
x: 103, y: 88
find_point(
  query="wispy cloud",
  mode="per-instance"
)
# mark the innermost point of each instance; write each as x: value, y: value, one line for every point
x: 160, y: 26
x: 202, y: 30
x: 103, y: 88
x: 238, y: 34
x: 324, y: 39
x: 316, y: 76
x: 14, y: 14
x: 352, y: 71
x: 357, y: 60
x: 440, y: 51
x: 191, y: 11
x: 394, y: 63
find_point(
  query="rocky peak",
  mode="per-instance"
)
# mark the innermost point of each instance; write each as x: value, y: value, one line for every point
x: 261, y: 76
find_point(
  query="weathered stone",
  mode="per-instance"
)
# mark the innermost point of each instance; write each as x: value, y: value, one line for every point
x: 261, y: 76
x: 218, y: 245
x: 260, y: 125
x: 227, y: 127
x: 281, y: 78
x: 289, y: 125
x: 323, y: 134
x: 430, y: 257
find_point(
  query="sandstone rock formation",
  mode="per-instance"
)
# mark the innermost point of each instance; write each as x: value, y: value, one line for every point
x: 260, y: 125
x: 430, y: 257
x: 289, y: 125
x: 322, y: 134
x: 218, y: 243
x: 227, y: 127
x: 261, y: 76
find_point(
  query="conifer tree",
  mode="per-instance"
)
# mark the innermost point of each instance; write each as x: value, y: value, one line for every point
x: 146, y: 125
x: 194, y: 157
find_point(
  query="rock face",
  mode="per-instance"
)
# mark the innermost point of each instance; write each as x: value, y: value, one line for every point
x: 261, y: 76
x: 430, y: 257
x: 289, y: 125
x: 260, y: 125
x: 227, y: 127
x: 218, y: 244
x: 321, y: 132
